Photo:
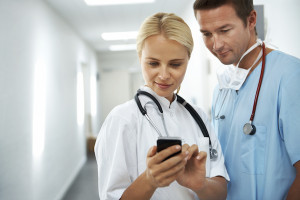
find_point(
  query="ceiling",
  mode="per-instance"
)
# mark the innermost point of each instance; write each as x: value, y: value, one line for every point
x: 91, y: 21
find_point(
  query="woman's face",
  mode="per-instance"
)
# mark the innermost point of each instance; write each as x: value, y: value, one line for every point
x: 164, y: 64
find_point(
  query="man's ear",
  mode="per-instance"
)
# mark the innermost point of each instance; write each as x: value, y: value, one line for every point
x: 252, y: 20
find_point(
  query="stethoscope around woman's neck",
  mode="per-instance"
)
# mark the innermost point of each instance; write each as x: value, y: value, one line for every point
x: 192, y: 111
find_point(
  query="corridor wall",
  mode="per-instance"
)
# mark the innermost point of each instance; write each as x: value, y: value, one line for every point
x: 42, y: 145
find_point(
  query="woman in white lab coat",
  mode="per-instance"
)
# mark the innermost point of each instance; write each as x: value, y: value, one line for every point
x: 129, y: 166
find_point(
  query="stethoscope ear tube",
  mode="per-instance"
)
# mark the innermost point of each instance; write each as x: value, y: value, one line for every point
x: 138, y: 102
x: 195, y: 116
x: 213, y: 152
x: 143, y: 111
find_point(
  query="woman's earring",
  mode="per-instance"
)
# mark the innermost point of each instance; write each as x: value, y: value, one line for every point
x: 178, y: 89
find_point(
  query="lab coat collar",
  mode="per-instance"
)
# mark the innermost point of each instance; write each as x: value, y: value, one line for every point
x: 165, y: 103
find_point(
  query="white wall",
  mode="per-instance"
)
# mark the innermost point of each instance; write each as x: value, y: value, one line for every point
x: 114, y: 89
x: 32, y: 34
x: 118, y: 79
x: 196, y: 85
x: 282, y: 25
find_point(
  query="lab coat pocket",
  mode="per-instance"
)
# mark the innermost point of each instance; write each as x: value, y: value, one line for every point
x: 253, y: 151
x: 204, y: 146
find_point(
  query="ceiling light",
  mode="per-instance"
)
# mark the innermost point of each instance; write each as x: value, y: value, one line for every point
x: 115, y: 2
x: 122, y: 47
x: 119, y: 35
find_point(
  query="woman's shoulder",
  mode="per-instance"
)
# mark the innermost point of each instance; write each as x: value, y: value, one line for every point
x: 122, y: 117
x: 127, y: 110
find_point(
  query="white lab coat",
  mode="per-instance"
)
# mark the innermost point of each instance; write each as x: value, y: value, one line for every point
x: 126, y: 136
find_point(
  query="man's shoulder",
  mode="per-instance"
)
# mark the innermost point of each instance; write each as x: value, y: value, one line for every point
x: 281, y: 63
x: 281, y: 56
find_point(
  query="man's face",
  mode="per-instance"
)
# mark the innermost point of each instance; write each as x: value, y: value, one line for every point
x: 224, y: 33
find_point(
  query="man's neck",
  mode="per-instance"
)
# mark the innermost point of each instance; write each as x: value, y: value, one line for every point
x: 250, y: 58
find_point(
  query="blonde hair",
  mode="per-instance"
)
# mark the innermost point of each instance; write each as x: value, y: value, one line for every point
x: 170, y: 26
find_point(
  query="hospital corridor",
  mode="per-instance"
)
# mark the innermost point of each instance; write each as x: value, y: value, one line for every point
x: 65, y: 64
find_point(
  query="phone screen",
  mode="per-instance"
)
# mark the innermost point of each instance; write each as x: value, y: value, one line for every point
x: 165, y: 142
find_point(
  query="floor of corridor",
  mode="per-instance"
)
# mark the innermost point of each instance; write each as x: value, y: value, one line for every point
x: 85, y: 185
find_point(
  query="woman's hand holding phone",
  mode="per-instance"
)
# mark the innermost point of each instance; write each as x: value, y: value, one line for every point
x: 163, y: 167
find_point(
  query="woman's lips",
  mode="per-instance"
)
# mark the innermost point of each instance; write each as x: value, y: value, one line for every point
x: 163, y: 86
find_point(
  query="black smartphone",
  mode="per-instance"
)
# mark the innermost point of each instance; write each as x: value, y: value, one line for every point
x: 165, y: 142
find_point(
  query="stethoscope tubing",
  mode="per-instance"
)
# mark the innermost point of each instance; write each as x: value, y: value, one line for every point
x: 249, y: 128
x: 192, y: 111
x: 152, y: 123
x: 259, y: 83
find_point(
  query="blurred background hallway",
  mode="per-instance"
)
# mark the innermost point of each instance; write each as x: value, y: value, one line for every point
x: 60, y: 75
x: 85, y: 184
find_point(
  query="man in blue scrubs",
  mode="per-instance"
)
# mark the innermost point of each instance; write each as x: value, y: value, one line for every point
x: 264, y: 165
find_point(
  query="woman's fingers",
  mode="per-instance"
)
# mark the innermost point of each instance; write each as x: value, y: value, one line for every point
x: 163, y: 172
x: 162, y: 155
x: 201, y: 156
x: 160, y: 172
x: 192, y: 150
x: 152, y: 151
x: 167, y: 171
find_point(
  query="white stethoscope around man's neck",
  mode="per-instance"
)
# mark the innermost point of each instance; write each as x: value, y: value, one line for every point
x: 249, y: 128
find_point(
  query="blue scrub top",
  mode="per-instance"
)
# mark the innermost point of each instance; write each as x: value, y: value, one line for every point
x: 260, y: 166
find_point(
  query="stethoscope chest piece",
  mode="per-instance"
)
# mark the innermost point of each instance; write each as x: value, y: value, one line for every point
x: 213, y: 154
x: 249, y: 128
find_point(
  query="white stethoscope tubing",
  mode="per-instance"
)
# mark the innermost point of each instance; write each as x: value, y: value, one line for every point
x: 151, y: 122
